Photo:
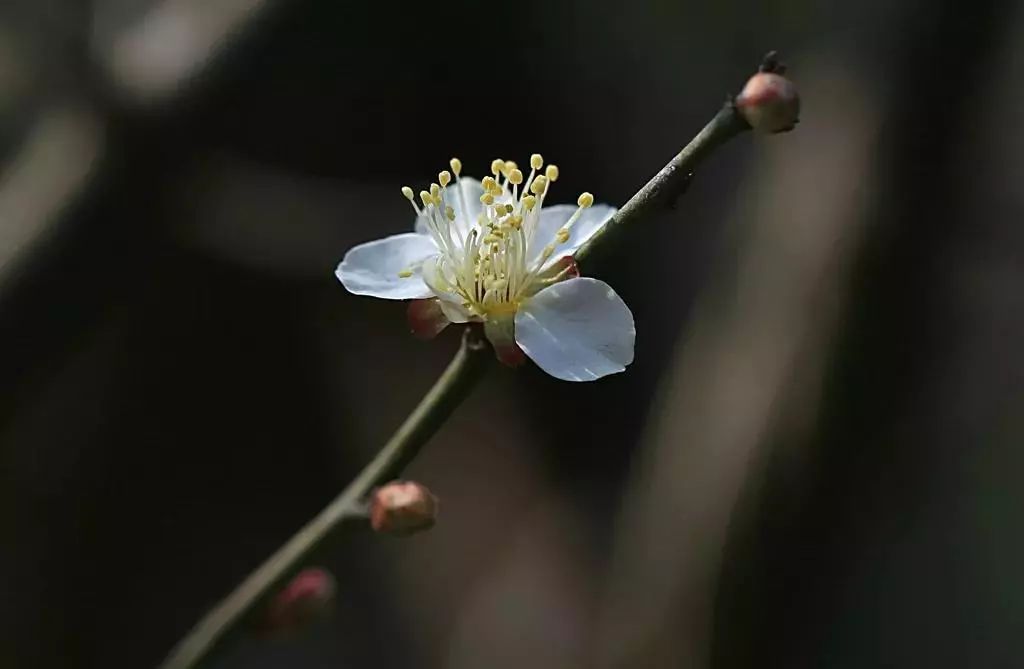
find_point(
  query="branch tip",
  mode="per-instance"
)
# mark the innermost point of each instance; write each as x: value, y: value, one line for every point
x: 771, y: 63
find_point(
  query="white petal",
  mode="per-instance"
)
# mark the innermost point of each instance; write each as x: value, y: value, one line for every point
x: 471, y: 190
x: 372, y: 268
x: 455, y: 312
x: 577, y: 330
x: 552, y: 219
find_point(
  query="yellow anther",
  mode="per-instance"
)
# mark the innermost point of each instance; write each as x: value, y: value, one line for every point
x: 488, y: 183
x: 497, y: 165
x: 425, y: 198
x: 435, y: 192
x: 536, y: 161
x: 509, y: 208
x: 492, y: 239
x: 551, y: 173
x: 539, y: 185
x: 456, y: 166
x: 585, y: 200
x: 548, y: 250
x: 449, y: 213
x: 487, y: 198
x: 516, y: 222
x: 445, y: 177
x: 407, y: 192
x: 515, y: 177
x: 529, y: 202
x: 562, y: 236
x: 509, y: 166
x: 405, y: 274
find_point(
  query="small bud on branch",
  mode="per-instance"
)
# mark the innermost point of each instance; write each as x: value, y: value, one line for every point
x: 306, y: 598
x: 402, y: 508
x: 769, y: 102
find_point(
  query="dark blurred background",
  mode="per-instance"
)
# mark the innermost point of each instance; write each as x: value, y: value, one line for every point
x: 815, y: 460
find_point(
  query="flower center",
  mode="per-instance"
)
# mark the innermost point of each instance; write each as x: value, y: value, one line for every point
x: 493, y: 263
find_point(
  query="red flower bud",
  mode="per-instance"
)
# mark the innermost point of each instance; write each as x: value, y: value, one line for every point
x: 769, y: 103
x: 402, y: 508
x: 306, y: 598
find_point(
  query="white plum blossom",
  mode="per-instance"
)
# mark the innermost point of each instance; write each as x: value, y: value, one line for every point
x: 491, y: 252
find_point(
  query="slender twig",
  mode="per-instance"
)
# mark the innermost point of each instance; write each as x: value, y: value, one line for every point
x: 436, y: 406
x: 347, y: 508
x: 670, y: 182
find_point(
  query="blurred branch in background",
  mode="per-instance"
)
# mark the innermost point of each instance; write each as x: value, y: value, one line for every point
x: 52, y: 169
x: 77, y: 187
x: 165, y: 50
x: 748, y: 366
x: 88, y: 146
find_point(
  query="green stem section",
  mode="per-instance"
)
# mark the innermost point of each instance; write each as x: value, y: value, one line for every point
x: 447, y: 393
x: 669, y: 183
x: 347, y: 508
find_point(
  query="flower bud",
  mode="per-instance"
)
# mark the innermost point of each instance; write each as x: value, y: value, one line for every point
x: 402, y: 508
x: 305, y: 599
x: 769, y: 103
